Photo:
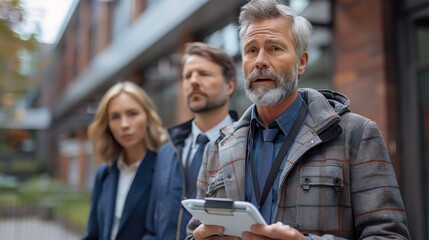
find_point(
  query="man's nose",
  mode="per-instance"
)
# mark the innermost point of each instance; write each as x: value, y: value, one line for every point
x: 261, y: 60
x: 194, y: 78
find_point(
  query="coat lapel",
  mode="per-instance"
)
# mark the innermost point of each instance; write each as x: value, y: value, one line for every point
x: 139, y: 188
x: 232, y: 157
x: 308, y: 136
x: 110, y: 185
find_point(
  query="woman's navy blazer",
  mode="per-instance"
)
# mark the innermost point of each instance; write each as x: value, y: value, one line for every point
x: 103, y: 200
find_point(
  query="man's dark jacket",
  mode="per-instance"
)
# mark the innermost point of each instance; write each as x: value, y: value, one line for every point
x: 167, y: 220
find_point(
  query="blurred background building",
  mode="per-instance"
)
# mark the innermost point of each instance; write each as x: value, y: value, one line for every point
x: 376, y: 52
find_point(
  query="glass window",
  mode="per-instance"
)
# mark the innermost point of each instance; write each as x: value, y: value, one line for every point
x: 122, y: 15
x: 161, y: 81
x: 423, y: 41
x: 318, y: 72
x: 227, y: 39
x: 95, y: 16
x: 152, y: 2
x: 317, y: 12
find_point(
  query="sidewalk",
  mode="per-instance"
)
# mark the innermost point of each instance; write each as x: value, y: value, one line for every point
x: 35, y: 229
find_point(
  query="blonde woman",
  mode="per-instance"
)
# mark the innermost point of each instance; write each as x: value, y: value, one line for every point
x: 126, y: 134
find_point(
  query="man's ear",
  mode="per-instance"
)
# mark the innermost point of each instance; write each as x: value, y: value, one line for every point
x: 302, y: 65
x: 231, y: 86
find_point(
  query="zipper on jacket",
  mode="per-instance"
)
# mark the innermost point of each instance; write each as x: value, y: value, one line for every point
x: 330, y: 130
x: 182, y: 175
x: 327, y: 126
x: 183, y: 196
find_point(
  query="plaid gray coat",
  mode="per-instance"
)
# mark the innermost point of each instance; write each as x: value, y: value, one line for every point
x: 338, y: 181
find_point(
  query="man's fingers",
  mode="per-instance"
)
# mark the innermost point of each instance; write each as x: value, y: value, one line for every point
x: 276, y: 231
x: 204, y: 231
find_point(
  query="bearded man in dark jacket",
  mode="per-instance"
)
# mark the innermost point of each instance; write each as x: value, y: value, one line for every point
x: 208, y: 82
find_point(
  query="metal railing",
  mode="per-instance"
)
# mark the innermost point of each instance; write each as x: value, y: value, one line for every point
x: 21, y: 221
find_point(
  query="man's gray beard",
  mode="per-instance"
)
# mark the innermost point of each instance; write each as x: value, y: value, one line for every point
x: 284, y: 86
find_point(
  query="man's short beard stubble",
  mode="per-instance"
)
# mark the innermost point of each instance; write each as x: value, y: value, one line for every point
x: 211, y: 104
x: 285, y: 85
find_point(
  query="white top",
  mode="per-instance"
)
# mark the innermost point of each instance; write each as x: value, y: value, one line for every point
x: 126, y: 177
x: 213, y: 133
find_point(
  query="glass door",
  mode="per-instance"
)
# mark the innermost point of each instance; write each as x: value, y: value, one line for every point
x: 413, y: 90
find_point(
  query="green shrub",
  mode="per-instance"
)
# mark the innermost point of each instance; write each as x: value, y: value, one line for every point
x: 23, y: 166
x: 7, y: 188
x: 75, y: 211
x: 67, y: 203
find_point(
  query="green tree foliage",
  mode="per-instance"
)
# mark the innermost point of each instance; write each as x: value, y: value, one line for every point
x: 13, y: 82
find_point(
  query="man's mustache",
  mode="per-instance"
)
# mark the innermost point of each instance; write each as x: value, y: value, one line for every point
x: 266, y: 73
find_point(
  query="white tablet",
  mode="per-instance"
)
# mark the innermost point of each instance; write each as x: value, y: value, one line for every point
x: 235, y: 216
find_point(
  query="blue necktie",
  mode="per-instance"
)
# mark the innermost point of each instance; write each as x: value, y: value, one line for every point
x: 194, y: 167
x: 264, y: 168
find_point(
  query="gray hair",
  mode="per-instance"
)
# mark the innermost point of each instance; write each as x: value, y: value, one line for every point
x: 256, y: 10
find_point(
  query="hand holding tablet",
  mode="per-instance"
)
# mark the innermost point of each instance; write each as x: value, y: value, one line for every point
x: 235, y: 216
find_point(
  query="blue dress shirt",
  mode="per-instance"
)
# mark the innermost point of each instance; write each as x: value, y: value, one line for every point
x: 284, y: 123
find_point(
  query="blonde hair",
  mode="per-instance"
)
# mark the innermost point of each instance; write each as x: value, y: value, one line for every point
x: 106, y: 148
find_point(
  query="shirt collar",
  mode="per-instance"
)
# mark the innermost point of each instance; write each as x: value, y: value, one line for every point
x: 284, y: 121
x: 213, y: 132
x: 122, y: 166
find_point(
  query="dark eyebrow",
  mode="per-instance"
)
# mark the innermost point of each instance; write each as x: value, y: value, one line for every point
x: 112, y: 114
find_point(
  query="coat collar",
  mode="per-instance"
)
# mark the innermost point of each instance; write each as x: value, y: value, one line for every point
x: 139, y: 188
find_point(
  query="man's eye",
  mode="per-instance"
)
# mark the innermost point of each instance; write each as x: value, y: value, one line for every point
x: 251, y: 50
x: 187, y: 75
x: 275, y: 48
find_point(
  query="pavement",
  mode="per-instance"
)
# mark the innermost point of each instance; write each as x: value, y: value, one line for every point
x: 33, y: 228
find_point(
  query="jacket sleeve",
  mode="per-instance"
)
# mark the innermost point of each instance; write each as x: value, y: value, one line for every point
x: 92, y: 225
x: 192, y: 225
x: 377, y: 203
x: 378, y: 210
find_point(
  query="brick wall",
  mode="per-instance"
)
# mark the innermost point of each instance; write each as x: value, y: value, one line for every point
x: 363, y: 69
